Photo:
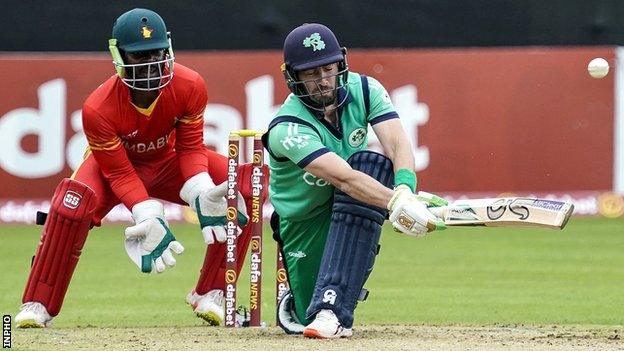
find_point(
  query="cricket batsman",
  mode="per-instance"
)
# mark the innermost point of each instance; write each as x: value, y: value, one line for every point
x: 331, y: 195
x: 144, y: 127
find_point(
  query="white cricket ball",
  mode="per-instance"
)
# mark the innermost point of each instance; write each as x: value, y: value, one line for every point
x: 598, y: 67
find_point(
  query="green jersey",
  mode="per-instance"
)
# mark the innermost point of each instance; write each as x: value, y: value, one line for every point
x: 298, y: 135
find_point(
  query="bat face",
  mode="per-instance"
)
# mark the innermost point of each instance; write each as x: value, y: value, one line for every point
x: 507, y: 212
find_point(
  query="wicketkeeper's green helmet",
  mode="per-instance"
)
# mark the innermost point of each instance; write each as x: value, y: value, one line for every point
x: 141, y: 30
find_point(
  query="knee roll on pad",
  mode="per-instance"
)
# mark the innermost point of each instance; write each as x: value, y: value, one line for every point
x: 352, y: 243
x: 64, y: 234
x: 378, y: 167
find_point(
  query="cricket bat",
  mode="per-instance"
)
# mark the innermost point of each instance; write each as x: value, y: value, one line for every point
x: 506, y: 212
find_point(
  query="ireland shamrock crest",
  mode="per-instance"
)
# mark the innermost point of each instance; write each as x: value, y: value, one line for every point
x: 314, y: 41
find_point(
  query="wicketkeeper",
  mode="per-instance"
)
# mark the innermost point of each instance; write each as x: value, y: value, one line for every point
x: 331, y: 195
x: 145, y: 130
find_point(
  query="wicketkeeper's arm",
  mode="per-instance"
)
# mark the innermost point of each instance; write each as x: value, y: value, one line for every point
x: 189, y: 143
x: 112, y: 159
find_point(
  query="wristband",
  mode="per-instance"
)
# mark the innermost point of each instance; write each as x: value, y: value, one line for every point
x: 407, y: 177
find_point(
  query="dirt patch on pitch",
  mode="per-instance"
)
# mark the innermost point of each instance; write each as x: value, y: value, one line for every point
x: 365, y: 338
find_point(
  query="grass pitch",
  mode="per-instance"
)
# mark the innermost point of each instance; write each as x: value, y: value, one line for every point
x: 366, y: 338
x: 460, y: 277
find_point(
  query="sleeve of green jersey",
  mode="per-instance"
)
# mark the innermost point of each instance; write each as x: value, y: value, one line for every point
x: 297, y: 142
x: 381, y: 108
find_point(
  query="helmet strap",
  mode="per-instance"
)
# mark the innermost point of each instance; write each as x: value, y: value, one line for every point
x: 170, y: 51
x: 117, y: 59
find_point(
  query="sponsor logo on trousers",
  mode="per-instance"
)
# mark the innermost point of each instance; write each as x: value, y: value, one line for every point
x: 297, y: 254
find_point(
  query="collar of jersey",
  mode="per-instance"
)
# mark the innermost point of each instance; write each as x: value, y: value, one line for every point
x: 321, y: 116
x: 146, y: 111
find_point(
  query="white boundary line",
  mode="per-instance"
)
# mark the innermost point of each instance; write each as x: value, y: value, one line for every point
x: 618, y: 123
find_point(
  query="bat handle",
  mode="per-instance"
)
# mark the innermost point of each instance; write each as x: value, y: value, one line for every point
x: 439, y: 212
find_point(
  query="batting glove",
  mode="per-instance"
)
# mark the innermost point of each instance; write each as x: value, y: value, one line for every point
x: 431, y: 200
x: 409, y: 213
x: 208, y: 201
x: 150, y: 242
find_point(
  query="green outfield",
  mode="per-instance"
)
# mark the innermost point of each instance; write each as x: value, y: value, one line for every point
x: 463, y: 276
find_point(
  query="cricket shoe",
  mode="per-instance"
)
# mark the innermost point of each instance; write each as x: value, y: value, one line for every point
x: 208, y: 307
x: 33, y: 315
x: 326, y: 326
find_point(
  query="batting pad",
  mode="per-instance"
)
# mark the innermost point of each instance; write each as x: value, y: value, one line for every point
x: 352, y: 243
x: 63, y: 237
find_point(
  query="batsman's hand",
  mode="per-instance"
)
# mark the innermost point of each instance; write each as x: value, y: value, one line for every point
x: 208, y: 201
x: 431, y: 200
x: 409, y: 213
x: 150, y: 242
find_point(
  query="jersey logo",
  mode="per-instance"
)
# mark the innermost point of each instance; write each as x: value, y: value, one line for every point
x: 375, y: 85
x: 310, y: 179
x: 130, y: 135
x: 314, y: 41
x: 385, y: 97
x: 146, y: 32
x: 357, y: 137
x: 293, y: 139
x: 147, y: 146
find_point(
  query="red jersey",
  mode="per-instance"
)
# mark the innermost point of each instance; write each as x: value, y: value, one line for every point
x: 121, y: 135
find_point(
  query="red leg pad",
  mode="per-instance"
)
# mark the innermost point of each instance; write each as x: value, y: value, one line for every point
x: 63, y: 237
x: 212, y: 274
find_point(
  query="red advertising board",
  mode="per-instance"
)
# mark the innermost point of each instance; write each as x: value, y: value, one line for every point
x: 480, y: 120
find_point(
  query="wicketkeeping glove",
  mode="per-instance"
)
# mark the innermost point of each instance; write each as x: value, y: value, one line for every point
x: 149, y: 242
x: 208, y: 201
x: 409, y: 213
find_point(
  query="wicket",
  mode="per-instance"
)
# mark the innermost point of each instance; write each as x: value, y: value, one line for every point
x: 256, y: 223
